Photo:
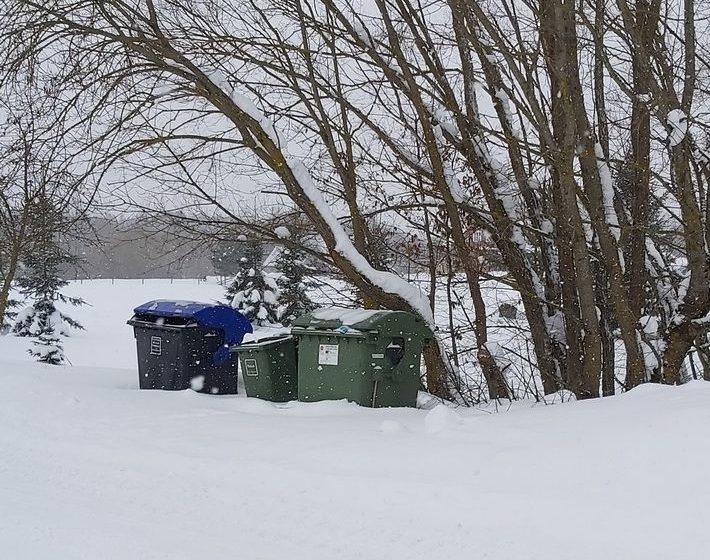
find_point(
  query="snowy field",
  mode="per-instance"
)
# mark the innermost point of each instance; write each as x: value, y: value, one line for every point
x: 92, y: 468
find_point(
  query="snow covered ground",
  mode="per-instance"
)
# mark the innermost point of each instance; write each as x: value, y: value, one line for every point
x: 93, y: 468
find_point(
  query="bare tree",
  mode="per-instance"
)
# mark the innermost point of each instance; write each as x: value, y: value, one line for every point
x: 35, y: 169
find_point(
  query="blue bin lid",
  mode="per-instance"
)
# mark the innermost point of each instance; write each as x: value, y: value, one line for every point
x: 210, y: 315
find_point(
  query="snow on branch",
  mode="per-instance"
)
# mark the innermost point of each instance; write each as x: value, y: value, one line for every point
x: 247, y: 106
x: 677, y: 127
x: 607, y: 185
x: 387, y: 281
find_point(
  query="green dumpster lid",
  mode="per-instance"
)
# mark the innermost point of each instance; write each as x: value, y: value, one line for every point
x: 356, y: 319
x: 262, y: 342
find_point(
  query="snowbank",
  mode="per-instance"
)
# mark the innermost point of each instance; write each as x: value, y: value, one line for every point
x: 94, y: 468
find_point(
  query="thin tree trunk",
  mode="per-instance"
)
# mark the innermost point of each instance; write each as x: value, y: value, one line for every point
x: 7, y: 283
x: 437, y: 375
x: 431, y: 261
x: 646, y: 19
x: 450, y: 299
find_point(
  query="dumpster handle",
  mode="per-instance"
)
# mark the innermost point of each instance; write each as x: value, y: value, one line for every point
x: 359, y: 334
x: 149, y: 324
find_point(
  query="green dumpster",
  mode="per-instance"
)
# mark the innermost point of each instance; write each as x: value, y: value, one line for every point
x: 269, y: 368
x: 371, y: 357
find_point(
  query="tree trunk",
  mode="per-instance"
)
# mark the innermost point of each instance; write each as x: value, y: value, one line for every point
x: 495, y: 379
x: 646, y: 22
x: 679, y: 340
x: 7, y: 283
x: 437, y: 382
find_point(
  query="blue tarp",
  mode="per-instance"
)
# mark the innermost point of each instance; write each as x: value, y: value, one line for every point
x: 209, y: 315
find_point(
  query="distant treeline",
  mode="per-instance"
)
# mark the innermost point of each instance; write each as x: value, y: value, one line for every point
x: 111, y: 248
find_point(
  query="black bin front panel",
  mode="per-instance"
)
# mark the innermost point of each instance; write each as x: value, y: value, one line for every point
x: 159, y: 363
x: 170, y: 359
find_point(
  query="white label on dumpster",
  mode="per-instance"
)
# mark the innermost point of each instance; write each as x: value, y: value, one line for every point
x: 378, y: 356
x: 251, y: 367
x: 328, y: 354
x: 156, y: 346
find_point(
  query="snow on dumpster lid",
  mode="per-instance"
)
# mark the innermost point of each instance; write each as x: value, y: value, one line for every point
x: 172, y: 308
x: 346, y: 316
x: 210, y: 315
x: 361, y: 320
x: 354, y: 320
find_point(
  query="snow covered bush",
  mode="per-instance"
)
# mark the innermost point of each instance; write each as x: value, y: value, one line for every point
x: 8, y: 318
x: 253, y: 292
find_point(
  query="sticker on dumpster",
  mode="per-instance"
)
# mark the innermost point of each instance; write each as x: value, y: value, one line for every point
x: 378, y: 356
x: 251, y: 368
x: 156, y: 346
x: 328, y: 354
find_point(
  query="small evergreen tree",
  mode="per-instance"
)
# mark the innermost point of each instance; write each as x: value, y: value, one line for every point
x: 41, y: 284
x: 294, y: 285
x: 253, y: 292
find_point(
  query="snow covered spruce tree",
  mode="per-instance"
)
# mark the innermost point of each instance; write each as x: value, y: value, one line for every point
x: 41, y: 284
x: 253, y: 292
x: 293, y: 283
x: 42, y: 320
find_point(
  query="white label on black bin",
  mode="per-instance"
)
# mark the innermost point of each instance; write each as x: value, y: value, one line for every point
x: 251, y: 367
x: 328, y: 354
x: 156, y: 346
